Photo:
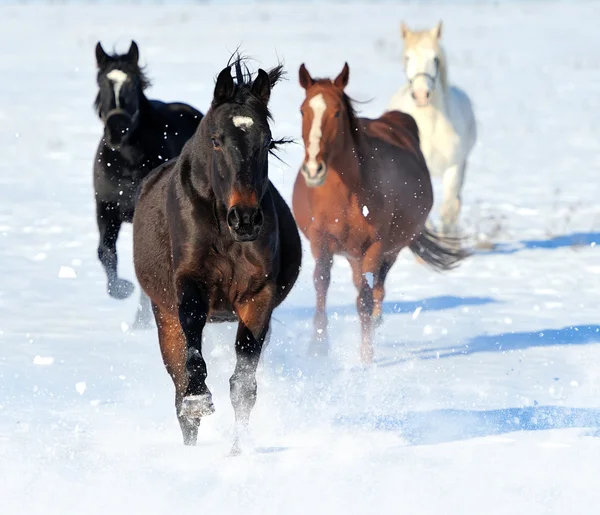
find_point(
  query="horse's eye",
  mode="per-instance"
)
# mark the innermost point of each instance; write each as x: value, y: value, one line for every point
x: 337, y: 114
x: 215, y: 143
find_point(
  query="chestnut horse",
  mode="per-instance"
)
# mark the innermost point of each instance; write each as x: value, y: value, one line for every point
x: 364, y: 192
x: 214, y: 241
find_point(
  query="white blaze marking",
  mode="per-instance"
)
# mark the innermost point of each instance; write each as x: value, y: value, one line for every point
x: 242, y: 122
x: 318, y: 105
x: 117, y: 77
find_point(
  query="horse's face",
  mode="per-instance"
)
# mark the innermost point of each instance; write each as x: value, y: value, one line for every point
x: 323, y: 120
x: 422, y: 56
x: 120, y: 84
x: 240, y: 138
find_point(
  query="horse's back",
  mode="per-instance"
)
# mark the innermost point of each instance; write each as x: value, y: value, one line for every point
x: 184, y: 116
x: 151, y: 241
x: 396, y: 128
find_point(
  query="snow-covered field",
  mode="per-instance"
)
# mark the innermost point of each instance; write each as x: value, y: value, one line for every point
x: 486, y: 398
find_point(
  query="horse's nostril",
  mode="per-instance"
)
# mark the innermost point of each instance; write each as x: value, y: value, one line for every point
x: 233, y: 218
x: 412, y: 94
x: 428, y: 93
x: 320, y: 168
x: 257, y: 218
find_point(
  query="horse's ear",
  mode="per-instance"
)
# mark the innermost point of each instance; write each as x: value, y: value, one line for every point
x: 305, y: 79
x: 404, y: 30
x: 341, y: 81
x: 436, y: 32
x: 133, y: 54
x: 224, y: 88
x: 261, y: 87
x: 101, y: 56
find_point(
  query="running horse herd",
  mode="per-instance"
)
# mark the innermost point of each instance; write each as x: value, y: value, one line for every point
x: 214, y: 240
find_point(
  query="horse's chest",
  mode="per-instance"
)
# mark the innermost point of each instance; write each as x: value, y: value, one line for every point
x: 232, y: 279
x: 343, y: 221
x: 440, y: 143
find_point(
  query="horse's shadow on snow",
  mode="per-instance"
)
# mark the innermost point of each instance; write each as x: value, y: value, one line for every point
x: 392, y: 307
x: 451, y: 425
x: 577, y: 239
x: 505, y: 342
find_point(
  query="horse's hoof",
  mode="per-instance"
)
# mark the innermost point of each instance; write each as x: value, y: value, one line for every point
x: 197, y: 406
x: 236, y: 449
x: 120, y: 288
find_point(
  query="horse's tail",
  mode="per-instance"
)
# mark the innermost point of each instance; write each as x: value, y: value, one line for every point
x: 439, y: 252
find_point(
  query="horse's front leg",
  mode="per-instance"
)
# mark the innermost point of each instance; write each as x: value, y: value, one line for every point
x: 108, y: 218
x: 452, y: 181
x: 193, y: 312
x: 366, y: 276
x: 321, y: 279
x: 255, y: 316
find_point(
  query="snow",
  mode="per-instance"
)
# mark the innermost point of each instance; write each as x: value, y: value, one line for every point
x: 486, y: 394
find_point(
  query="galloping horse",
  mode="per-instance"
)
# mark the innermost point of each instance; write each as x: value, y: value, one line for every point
x: 139, y: 135
x: 363, y: 192
x: 214, y: 241
x: 443, y: 114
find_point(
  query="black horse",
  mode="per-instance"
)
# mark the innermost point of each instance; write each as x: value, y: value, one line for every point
x: 212, y: 241
x: 139, y: 135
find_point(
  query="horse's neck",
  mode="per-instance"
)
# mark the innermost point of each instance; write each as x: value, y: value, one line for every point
x: 346, y: 159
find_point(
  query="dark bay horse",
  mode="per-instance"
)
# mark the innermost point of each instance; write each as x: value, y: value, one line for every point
x: 214, y: 241
x: 364, y: 192
x: 139, y: 135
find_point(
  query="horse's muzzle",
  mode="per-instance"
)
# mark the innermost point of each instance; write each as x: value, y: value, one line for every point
x: 314, y: 174
x: 118, y: 123
x: 245, y: 222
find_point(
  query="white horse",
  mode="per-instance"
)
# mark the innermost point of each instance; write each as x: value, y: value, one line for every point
x: 443, y: 113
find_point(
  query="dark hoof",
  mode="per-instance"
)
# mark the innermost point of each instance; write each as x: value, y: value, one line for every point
x: 197, y: 406
x: 120, y: 288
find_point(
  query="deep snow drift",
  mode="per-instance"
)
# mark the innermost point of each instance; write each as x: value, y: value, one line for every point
x: 486, y: 398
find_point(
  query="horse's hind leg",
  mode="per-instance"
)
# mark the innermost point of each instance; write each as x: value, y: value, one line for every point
x: 143, y: 316
x: 255, y: 316
x: 172, y: 348
x: 452, y: 182
x: 379, y: 288
x: 109, y: 221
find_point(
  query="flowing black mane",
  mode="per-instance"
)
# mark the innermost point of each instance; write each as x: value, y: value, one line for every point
x: 243, y: 92
x: 348, y: 105
x: 244, y: 80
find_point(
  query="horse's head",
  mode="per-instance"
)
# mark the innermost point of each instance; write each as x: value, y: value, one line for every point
x: 236, y: 132
x: 326, y: 114
x: 121, y: 83
x: 423, y: 61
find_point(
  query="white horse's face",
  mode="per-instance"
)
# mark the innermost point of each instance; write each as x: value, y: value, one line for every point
x: 422, y: 55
